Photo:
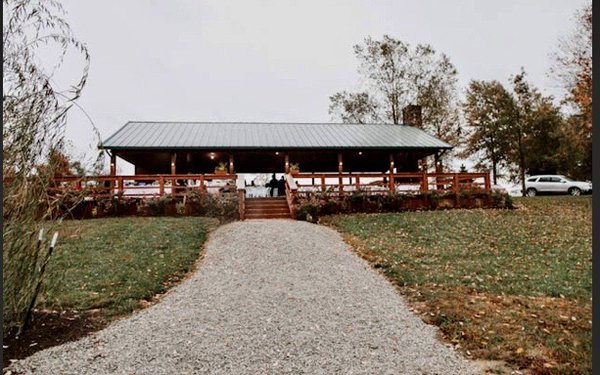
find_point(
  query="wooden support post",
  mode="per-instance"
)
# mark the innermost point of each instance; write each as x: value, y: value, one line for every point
x: 231, y: 169
x: 173, y: 160
x: 438, y: 169
x: 121, y: 187
x: 202, y: 185
x: 113, y: 173
x: 287, y: 164
x: 357, y: 182
x: 242, y: 204
x: 456, y: 189
x: 173, y: 172
x: 340, y: 171
x: 425, y: 188
x: 392, y: 185
x: 487, y: 183
x: 488, y: 187
x: 161, y: 186
x: 113, y: 165
x: 322, y: 182
x: 425, y: 182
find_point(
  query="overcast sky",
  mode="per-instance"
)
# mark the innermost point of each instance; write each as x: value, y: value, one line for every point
x: 281, y: 60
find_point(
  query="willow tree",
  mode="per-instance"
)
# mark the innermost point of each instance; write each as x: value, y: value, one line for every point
x: 34, y: 113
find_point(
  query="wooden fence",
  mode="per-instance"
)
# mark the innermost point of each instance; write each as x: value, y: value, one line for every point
x: 376, y: 183
x: 180, y: 185
x: 144, y: 186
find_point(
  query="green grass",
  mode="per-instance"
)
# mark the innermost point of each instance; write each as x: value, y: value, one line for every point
x: 512, y: 264
x: 112, y: 264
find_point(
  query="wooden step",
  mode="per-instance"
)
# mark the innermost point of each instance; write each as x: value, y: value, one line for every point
x: 269, y: 216
x: 267, y: 208
x: 258, y: 210
x: 266, y: 199
x: 267, y: 203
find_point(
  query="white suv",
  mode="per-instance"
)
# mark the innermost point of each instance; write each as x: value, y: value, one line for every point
x: 555, y: 184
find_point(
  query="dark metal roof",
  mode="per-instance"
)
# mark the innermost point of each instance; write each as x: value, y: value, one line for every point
x: 254, y: 135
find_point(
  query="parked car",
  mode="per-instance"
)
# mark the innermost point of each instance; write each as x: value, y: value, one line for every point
x: 555, y: 184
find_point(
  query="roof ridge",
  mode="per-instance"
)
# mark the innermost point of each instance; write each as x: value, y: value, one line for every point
x: 261, y: 122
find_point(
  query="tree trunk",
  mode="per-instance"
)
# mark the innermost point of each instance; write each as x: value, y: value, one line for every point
x: 522, y: 165
x: 494, y: 171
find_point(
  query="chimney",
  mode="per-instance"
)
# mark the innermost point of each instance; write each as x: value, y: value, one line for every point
x: 411, y: 115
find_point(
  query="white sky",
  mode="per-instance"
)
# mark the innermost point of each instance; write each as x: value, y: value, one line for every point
x: 281, y: 60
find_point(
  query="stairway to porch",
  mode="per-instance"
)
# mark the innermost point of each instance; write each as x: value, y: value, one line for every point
x: 267, y: 208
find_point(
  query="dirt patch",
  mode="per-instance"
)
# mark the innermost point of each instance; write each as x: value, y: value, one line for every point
x: 51, y: 328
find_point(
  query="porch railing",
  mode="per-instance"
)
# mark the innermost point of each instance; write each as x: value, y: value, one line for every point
x: 376, y: 183
x: 299, y: 183
x: 144, y: 186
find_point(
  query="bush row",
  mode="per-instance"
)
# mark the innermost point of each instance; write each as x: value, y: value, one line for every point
x: 317, y: 204
x: 224, y: 207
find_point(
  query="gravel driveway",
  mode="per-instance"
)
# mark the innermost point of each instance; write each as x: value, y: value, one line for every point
x: 271, y: 296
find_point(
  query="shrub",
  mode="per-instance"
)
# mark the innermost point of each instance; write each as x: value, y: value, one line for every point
x: 501, y: 199
x: 307, y: 211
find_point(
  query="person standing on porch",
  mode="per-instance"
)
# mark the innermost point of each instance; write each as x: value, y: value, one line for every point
x: 272, y: 184
x: 281, y: 186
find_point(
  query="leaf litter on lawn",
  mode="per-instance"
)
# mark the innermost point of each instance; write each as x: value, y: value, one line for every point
x: 513, y: 285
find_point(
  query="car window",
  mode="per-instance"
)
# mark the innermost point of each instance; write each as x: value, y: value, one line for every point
x: 555, y: 179
x: 532, y: 179
x: 545, y: 179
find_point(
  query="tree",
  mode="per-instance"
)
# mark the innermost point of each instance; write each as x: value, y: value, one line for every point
x: 355, y: 108
x: 394, y: 75
x: 519, y: 131
x: 573, y: 69
x: 489, y: 110
x: 533, y: 134
x: 34, y: 114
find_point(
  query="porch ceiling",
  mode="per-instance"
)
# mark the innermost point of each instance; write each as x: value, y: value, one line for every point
x: 271, y: 160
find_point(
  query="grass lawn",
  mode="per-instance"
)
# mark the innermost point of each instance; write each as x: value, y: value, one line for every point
x: 105, y: 268
x: 115, y: 263
x: 511, y: 285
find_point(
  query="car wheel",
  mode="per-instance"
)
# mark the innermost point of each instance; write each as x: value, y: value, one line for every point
x: 574, y: 191
x: 531, y: 192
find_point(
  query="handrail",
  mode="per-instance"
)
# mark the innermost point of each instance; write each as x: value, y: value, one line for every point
x: 241, y: 189
x: 291, y: 189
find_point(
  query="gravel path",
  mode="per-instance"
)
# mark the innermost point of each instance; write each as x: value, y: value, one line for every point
x: 271, y: 296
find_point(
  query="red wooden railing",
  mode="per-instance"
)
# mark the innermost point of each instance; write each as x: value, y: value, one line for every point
x: 180, y: 185
x: 297, y: 186
x: 143, y: 186
x: 376, y: 183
